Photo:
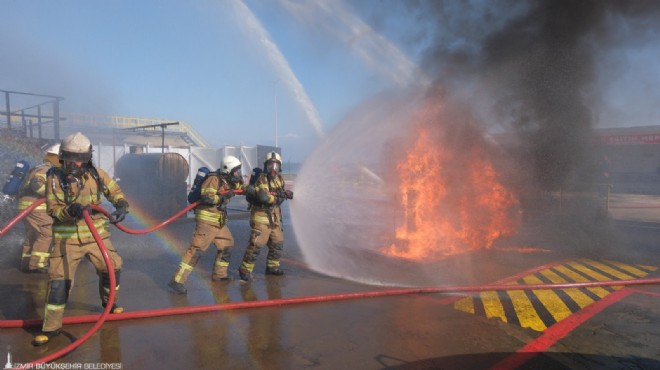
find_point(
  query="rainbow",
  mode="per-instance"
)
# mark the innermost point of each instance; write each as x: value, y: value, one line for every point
x: 166, y: 239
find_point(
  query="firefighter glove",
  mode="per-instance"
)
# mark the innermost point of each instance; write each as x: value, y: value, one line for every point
x: 227, y: 195
x: 121, y: 209
x: 75, y: 210
x: 284, y: 194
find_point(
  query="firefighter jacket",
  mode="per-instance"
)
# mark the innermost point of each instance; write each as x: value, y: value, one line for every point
x: 34, y: 188
x: 267, y: 210
x: 63, y: 189
x: 212, y: 209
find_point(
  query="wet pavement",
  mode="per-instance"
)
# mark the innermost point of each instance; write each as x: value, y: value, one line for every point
x: 614, y: 328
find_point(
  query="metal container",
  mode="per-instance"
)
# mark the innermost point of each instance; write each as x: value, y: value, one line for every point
x: 154, y: 182
x: 163, y: 167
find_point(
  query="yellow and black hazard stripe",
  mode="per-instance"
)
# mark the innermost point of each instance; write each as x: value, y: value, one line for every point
x: 539, y: 309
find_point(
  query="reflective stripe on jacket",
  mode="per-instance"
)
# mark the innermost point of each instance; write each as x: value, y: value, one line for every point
x: 34, y: 188
x: 259, y: 213
x: 214, y: 214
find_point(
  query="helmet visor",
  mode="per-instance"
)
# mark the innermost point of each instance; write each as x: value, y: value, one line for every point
x: 75, y: 157
x: 273, y: 166
x: 236, y: 171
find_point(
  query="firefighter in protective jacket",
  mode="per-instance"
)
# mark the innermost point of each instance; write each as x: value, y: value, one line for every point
x: 266, y: 218
x: 70, y: 190
x: 38, y: 224
x: 211, y: 224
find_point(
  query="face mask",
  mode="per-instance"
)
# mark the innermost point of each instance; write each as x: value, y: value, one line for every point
x: 235, y: 176
x: 273, y: 167
x: 74, y: 169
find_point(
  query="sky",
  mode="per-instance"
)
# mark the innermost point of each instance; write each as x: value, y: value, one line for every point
x: 238, y: 72
x: 285, y: 72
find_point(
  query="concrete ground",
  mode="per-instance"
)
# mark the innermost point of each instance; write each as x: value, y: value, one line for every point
x: 619, y: 330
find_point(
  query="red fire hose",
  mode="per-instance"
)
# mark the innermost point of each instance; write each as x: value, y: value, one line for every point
x: 325, y: 298
x: 144, y: 231
x: 158, y: 226
x: 267, y: 303
x: 20, y: 216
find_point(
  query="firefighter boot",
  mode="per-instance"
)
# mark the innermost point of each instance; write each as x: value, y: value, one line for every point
x: 177, y: 288
x: 44, y: 337
x: 115, y: 308
x: 273, y: 260
x: 188, y: 263
x: 276, y: 271
x: 245, y: 274
x: 221, y: 273
x: 104, y: 290
x: 221, y: 266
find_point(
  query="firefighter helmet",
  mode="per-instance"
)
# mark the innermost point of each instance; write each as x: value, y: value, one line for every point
x: 53, y: 149
x: 273, y: 163
x: 76, y: 148
x: 52, y: 155
x: 273, y: 156
x: 230, y: 164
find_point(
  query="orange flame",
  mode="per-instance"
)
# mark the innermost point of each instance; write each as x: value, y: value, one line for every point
x: 449, y: 206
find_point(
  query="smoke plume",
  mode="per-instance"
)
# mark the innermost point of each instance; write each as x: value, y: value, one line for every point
x: 537, y: 64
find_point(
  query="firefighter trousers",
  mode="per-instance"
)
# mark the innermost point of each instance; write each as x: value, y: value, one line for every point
x: 38, y: 237
x: 64, y: 260
x: 204, y: 235
x: 263, y: 234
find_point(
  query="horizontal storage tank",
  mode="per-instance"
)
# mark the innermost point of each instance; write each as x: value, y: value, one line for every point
x: 164, y: 167
x: 154, y: 182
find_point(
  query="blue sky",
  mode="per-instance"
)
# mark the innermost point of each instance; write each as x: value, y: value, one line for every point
x: 232, y: 68
x: 194, y: 61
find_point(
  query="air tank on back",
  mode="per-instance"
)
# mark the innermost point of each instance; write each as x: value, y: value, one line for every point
x: 154, y: 182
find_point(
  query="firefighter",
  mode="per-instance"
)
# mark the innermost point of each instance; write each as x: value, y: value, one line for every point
x: 211, y: 224
x: 267, y: 194
x: 38, y: 224
x: 70, y: 190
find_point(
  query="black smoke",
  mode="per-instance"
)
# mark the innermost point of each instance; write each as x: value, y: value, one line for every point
x: 536, y: 65
x: 538, y: 72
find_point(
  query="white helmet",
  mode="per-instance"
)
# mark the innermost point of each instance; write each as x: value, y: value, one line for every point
x: 273, y: 156
x: 53, y: 149
x: 76, y: 147
x: 52, y: 155
x: 273, y: 163
x: 229, y: 164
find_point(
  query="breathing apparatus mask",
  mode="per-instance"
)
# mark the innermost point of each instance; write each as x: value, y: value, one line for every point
x: 235, y: 176
x: 273, y: 167
x: 76, y: 164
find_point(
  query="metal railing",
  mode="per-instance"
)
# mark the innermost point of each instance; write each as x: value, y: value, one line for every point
x: 29, y: 111
x: 124, y: 122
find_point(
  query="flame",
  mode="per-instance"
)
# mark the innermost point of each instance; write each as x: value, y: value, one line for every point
x: 451, y: 203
